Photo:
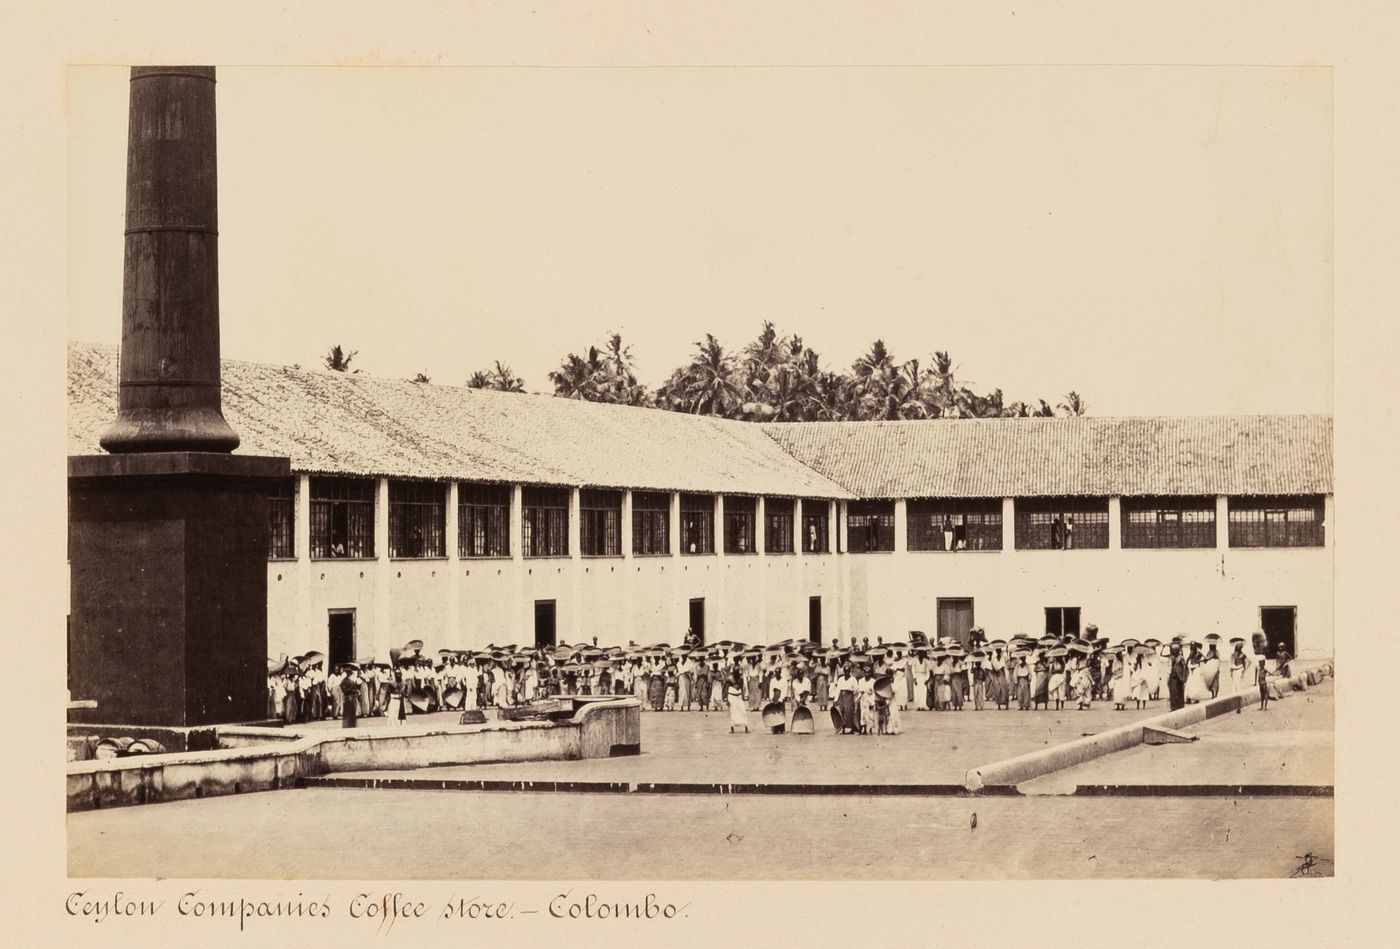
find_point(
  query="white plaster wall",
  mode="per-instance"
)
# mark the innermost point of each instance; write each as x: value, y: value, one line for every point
x: 1125, y: 592
x: 1138, y: 593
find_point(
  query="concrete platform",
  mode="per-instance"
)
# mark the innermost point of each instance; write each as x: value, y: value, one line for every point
x: 936, y: 748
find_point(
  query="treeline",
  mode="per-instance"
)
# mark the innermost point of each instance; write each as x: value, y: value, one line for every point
x: 774, y: 378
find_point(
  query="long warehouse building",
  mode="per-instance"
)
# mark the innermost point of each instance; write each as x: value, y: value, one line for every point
x: 466, y: 517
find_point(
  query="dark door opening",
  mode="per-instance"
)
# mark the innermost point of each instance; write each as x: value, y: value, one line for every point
x: 1062, y: 621
x: 1279, y: 624
x: 697, y: 619
x: 814, y: 619
x: 544, y: 624
x: 341, y: 648
x: 955, y: 618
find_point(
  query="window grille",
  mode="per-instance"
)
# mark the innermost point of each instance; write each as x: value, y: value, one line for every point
x: 342, y: 517
x: 869, y: 526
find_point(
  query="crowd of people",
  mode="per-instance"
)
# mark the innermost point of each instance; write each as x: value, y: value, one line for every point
x: 869, y: 684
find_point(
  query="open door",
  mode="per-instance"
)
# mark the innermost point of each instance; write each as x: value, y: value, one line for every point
x: 814, y: 619
x: 341, y: 646
x: 697, y: 619
x: 1279, y: 624
x: 544, y: 624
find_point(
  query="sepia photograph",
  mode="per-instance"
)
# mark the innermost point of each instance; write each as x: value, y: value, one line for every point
x: 859, y: 473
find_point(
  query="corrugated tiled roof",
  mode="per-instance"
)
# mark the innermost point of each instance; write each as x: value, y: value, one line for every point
x: 333, y: 423
x: 1029, y: 457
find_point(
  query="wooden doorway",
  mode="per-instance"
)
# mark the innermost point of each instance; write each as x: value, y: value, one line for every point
x: 697, y: 619
x: 1280, y: 625
x: 341, y: 637
x: 544, y: 624
x: 955, y: 618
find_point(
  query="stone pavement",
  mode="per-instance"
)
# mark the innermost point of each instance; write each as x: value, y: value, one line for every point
x: 621, y: 836
x: 688, y: 747
x: 1292, y: 743
x: 300, y: 834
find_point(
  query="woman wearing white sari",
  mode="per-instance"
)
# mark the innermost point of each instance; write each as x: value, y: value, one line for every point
x: 470, y: 679
x: 901, y: 688
x: 738, y: 707
x: 1210, y: 671
x: 500, y: 686
x: 1196, y: 688
x: 1143, y: 678
x: 1121, y: 685
x: 918, y: 667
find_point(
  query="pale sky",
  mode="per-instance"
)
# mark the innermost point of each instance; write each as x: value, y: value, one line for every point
x: 1157, y: 238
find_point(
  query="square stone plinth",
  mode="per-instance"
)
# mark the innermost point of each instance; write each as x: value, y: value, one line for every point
x: 168, y: 566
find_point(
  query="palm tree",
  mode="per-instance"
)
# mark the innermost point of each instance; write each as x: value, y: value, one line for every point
x: 1073, y: 405
x: 506, y: 381
x: 622, y: 384
x: 872, y: 375
x: 338, y: 360
x: 499, y: 378
x: 762, y: 361
x: 707, y: 385
x: 840, y: 397
x: 945, y: 398
x: 577, y: 377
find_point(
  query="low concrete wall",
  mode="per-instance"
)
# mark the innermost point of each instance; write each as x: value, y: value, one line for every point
x: 267, y: 759
x: 1013, y: 771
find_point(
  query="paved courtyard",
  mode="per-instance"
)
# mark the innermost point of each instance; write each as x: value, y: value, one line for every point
x: 495, y: 835
x: 476, y: 835
x: 1292, y: 743
x: 935, y: 748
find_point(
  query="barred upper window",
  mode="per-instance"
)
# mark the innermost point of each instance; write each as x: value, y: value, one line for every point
x: 342, y: 517
x: 815, y: 520
x: 1291, y: 521
x: 1061, y: 523
x: 545, y: 522
x: 600, y: 523
x: 651, y: 523
x: 281, y: 519
x: 1168, y: 522
x: 739, y: 513
x: 777, y: 525
x: 483, y: 520
x: 869, y: 526
x: 417, y: 526
x: 697, y: 524
x: 955, y: 524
